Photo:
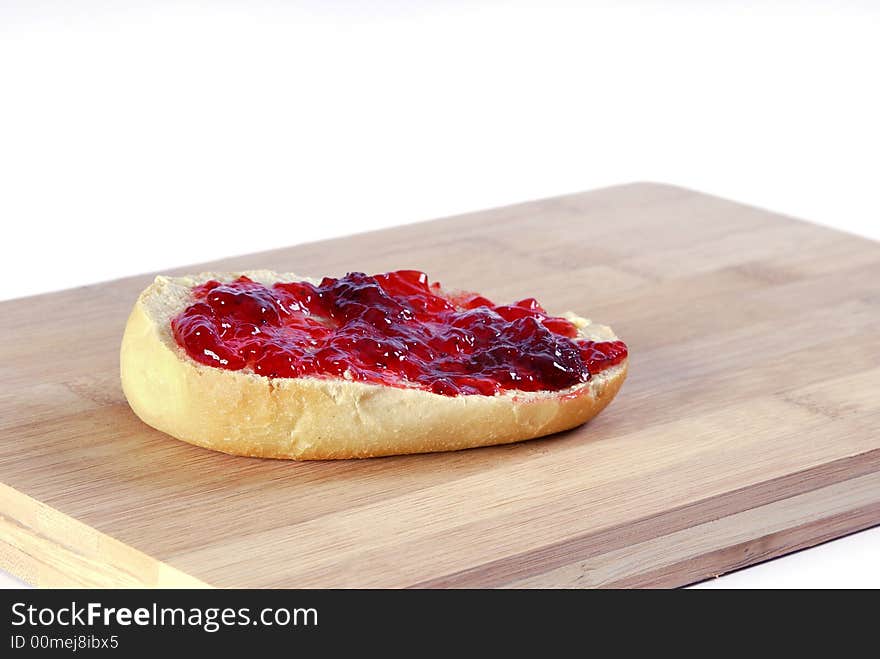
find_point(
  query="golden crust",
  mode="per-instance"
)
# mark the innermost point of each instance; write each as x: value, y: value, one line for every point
x: 243, y: 413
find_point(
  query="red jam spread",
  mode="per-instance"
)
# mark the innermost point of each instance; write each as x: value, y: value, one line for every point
x: 394, y: 328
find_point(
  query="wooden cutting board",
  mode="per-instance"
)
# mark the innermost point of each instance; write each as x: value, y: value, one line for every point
x: 748, y: 427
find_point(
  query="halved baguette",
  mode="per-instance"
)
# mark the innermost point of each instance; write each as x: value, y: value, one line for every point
x: 242, y: 413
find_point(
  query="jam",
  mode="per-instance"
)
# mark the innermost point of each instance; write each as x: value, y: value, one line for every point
x: 395, y: 329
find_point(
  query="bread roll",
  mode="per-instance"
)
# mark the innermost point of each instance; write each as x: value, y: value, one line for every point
x: 310, y: 418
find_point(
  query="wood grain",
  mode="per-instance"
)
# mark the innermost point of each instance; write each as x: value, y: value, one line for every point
x: 747, y: 428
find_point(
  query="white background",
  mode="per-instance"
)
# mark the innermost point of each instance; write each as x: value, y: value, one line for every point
x: 140, y: 136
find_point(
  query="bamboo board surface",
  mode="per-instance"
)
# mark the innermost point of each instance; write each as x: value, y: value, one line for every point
x: 748, y: 426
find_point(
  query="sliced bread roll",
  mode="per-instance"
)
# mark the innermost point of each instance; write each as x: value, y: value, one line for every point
x: 312, y: 418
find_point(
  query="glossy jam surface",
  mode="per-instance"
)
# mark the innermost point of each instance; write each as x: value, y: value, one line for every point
x: 393, y: 328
